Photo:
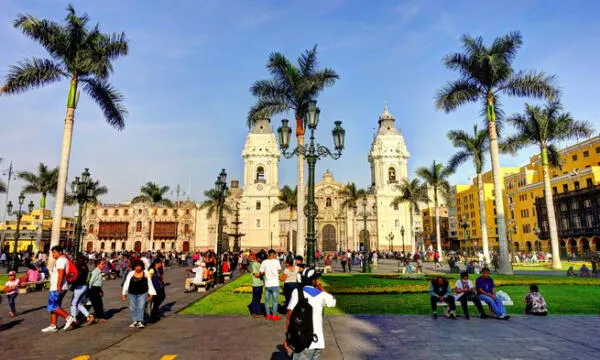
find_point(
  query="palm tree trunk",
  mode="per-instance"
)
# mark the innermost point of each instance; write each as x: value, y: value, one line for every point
x: 438, y: 235
x: 63, y: 173
x: 483, y: 219
x: 291, y: 231
x: 301, y: 196
x: 152, y: 231
x: 504, y: 259
x: 412, y: 230
x: 556, y: 264
x: 40, y: 230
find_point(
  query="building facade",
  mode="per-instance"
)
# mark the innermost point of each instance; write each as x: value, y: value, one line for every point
x: 32, y: 236
x: 187, y: 226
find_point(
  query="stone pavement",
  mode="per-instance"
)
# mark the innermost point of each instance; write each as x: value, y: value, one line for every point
x: 368, y: 337
x: 21, y: 335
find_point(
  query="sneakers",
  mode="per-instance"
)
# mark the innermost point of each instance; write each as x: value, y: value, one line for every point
x: 133, y: 324
x: 51, y: 328
x: 90, y: 319
x: 269, y: 317
x: 69, y: 322
x: 139, y: 325
x: 483, y: 316
x: 434, y: 316
x: 505, y: 317
x: 452, y: 315
x: 276, y: 318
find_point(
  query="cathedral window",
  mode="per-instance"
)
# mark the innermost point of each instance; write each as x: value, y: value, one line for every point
x: 328, y: 202
x: 91, y: 230
x: 138, y: 226
x: 260, y: 175
x: 187, y: 211
x: 186, y: 228
x: 140, y: 211
x: 165, y: 212
x: 397, y: 223
x: 116, y: 211
x: 93, y: 211
x: 105, y: 212
x: 392, y: 175
x: 258, y: 205
x: 395, y: 206
x: 258, y: 224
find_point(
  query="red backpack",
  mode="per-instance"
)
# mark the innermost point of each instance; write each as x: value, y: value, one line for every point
x: 71, y: 272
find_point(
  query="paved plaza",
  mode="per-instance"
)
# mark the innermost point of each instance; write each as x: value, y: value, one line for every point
x: 242, y: 337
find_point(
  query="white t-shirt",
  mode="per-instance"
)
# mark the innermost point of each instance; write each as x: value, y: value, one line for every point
x: 317, y: 299
x: 271, y: 269
x: 199, y: 277
x: 61, y: 263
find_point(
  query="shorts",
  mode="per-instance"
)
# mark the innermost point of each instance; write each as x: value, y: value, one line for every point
x: 55, y: 300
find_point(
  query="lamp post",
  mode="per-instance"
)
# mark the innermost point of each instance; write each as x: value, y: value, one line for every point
x: 536, y: 231
x: 366, y: 239
x: 221, y: 188
x: 237, y: 235
x: 83, y: 193
x: 390, y: 238
x: 403, y: 245
x: 14, y: 262
x: 464, y: 224
x: 312, y: 153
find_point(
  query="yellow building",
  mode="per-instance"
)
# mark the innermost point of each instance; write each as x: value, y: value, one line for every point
x: 467, y: 210
x: 429, y: 233
x: 576, y: 201
x: 30, y: 237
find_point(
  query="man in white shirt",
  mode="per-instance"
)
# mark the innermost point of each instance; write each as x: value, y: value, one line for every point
x: 465, y: 291
x: 317, y: 298
x: 270, y: 269
x: 198, y: 278
x: 58, y: 290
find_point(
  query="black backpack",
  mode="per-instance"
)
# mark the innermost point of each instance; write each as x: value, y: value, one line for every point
x: 300, y: 333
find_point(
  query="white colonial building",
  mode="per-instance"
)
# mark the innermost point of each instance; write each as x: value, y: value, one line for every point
x: 186, y: 227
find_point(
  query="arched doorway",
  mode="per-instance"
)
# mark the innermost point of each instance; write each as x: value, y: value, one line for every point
x: 595, y: 243
x: 528, y: 245
x: 137, y: 246
x: 186, y: 246
x: 329, y: 243
x: 89, y: 246
x: 563, y: 248
x: 363, y: 236
x: 573, y: 246
x: 585, y: 246
x: 516, y: 246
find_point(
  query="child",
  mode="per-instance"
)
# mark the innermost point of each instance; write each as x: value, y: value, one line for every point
x: 535, y: 303
x: 11, y: 290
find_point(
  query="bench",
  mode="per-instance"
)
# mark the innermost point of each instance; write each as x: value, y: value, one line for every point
x: 469, y: 303
x: 227, y: 275
x: 34, y: 286
x: 205, y: 285
x: 320, y: 269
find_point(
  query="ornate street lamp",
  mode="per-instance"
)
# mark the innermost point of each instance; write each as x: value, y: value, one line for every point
x: 312, y: 153
x: 83, y: 193
x: 402, y: 233
x: 14, y: 263
x: 366, y: 237
x: 221, y: 188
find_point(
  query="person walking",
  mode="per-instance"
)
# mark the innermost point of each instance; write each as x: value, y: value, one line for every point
x: 270, y: 269
x: 11, y: 288
x: 290, y: 280
x: 79, y: 288
x: 138, y: 287
x: 95, y: 292
x: 58, y: 290
x: 158, y: 281
x: 257, y: 285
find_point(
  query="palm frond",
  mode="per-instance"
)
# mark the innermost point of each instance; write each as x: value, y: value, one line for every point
x: 30, y: 74
x: 114, y: 45
x: 554, y: 158
x: 457, y: 93
x: 141, y: 199
x: 109, y: 100
x: 265, y: 108
x: 506, y: 46
x: 531, y: 84
x: 48, y: 33
x: 458, y: 159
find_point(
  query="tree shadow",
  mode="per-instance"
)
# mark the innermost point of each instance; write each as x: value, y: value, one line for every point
x: 112, y: 312
x: 10, y: 325
x: 166, y: 307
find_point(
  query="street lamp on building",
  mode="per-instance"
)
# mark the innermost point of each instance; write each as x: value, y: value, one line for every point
x: 221, y: 188
x: 83, y: 192
x: 403, y: 246
x: 536, y: 231
x: 390, y: 239
x: 14, y: 263
x: 312, y: 153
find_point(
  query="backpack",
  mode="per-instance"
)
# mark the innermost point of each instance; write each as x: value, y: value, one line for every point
x: 300, y: 333
x: 72, y: 273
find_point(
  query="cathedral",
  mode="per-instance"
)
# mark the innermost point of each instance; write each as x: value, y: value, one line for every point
x: 251, y: 224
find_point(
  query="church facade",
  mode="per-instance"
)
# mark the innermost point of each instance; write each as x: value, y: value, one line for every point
x: 187, y: 227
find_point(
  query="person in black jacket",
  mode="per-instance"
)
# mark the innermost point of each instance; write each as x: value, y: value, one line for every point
x: 80, y: 289
x: 439, y: 290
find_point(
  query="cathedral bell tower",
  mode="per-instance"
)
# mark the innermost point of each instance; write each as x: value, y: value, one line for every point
x: 261, y: 187
x: 388, y: 160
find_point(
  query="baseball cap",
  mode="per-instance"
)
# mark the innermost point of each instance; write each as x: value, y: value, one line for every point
x: 12, y: 273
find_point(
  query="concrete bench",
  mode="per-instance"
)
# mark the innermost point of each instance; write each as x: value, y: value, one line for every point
x: 320, y: 269
x: 469, y: 303
x: 34, y: 286
x: 205, y: 285
x: 227, y: 275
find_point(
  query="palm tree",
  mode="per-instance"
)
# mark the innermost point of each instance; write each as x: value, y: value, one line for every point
x: 544, y: 127
x: 473, y: 147
x: 212, y: 202
x: 413, y: 193
x: 44, y: 182
x: 485, y: 74
x: 288, y: 201
x: 436, y: 176
x: 81, y: 55
x: 154, y: 194
x: 291, y: 87
x: 95, y: 191
x: 352, y: 195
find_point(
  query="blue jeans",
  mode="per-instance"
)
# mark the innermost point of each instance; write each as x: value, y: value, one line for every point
x: 271, y: 297
x: 496, y: 304
x: 137, y: 305
x: 307, y: 354
x: 11, y: 302
x: 79, y: 297
x: 255, y: 304
x: 124, y: 273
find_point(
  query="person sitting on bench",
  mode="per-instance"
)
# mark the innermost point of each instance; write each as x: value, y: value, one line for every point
x: 199, y: 272
x: 465, y: 291
x: 487, y: 293
x: 439, y: 290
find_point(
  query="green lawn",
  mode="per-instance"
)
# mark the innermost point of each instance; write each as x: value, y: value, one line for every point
x: 389, y: 294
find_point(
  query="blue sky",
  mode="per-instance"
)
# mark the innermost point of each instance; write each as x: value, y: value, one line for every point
x: 191, y: 63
